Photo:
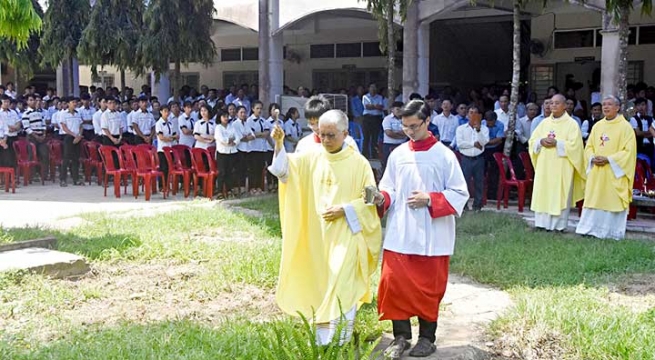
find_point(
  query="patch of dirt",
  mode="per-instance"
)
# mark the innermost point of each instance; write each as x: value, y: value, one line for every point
x: 112, y: 295
x: 536, y: 343
x: 636, y: 291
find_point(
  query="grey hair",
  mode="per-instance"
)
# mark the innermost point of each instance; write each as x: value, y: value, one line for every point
x: 531, y: 104
x: 334, y: 117
x: 613, y: 98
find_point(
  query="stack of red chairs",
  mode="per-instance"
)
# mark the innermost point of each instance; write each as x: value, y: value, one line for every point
x: 176, y: 171
x: 505, y: 183
x: 56, y: 151
x: 92, y: 161
x: 199, y: 157
x: 147, y: 168
x: 120, y: 173
x: 24, y: 163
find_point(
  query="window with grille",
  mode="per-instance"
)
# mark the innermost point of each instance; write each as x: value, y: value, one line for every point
x: 191, y: 79
x: 349, y: 50
x: 240, y: 77
x: 541, y: 78
x: 635, y: 72
x: 231, y: 54
x: 250, y: 54
x: 320, y: 51
x: 574, y: 39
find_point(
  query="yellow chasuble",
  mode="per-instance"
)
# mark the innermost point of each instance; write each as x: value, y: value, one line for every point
x: 554, y: 174
x: 325, y: 269
x: 614, y: 139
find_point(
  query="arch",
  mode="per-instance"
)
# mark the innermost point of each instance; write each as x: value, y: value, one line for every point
x: 238, y: 13
x: 295, y: 18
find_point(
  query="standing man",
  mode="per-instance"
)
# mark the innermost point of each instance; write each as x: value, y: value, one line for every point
x: 496, y: 140
x: 446, y: 122
x: 524, y: 125
x: 540, y: 118
x: 71, y: 123
x: 588, y: 125
x: 641, y: 123
x: 393, y: 131
x: 610, y: 156
x: 97, y: 120
x: 558, y: 157
x: 11, y: 119
x: 503, y: 112
x: 87, y: 111
x: 331, y: 238
x: 422, y: 189
x: 471, y: 139
x: 315, y: 107
x: 372, y: 122
x: 35, y: 129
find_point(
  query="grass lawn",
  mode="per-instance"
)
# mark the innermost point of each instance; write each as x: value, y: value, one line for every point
x: 198, y: 283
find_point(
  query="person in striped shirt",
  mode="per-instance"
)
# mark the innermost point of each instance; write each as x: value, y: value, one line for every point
x: 34, y: 127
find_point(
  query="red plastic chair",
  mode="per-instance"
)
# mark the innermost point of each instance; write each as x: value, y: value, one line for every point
x: 24, y: 163
x: 527, y: 165
x: 107, y: 154
x: 504, y: 184
x: 177, y: 171
x: 147, y: 169
x: 93, y: 162
x: 56, y: 150
x: 208, y: 175
x: 9, y: 177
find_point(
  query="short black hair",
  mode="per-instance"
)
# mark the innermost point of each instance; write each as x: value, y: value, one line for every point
x: 164, y: 107
x: 490, y: 115
x: 640, y: 101
x: 242, y: 107
x: 316, y: 106
x: 596, y: 104
x: 473, y: 107
x: 4, y: 97
x: 397, y: 104
x: 187, y: 104
x: 415, y: 96
x: 418, y: 108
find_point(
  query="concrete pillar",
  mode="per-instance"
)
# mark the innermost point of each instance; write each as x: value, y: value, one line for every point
x: 410, y: 51
x: 276, y: 52
x: 264, y: 51
x: 609, y: 63
x: 423, y: 65
x: 75, y: 88
x: 161, y: 88
x: 62, y: 75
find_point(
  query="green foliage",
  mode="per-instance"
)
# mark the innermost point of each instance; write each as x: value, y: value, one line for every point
x: 18, y: 20
x: 23, y: 56
x: 112, y: 34
x: 188, y: 39
x: 616, y: 7
x: 379, y: 9
x: 62, y: 29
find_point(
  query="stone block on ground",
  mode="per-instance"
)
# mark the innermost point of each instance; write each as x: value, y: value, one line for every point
x: 53, y: 263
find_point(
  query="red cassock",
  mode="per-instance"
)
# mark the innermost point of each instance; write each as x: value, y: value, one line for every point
x: 413, y: 285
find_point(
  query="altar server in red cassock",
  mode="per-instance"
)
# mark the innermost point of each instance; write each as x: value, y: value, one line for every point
x: 422, y: 191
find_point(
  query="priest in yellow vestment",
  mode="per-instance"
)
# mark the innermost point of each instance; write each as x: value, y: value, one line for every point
x: 557, y: 155
x: 611, y: 157
x: 331, y: 238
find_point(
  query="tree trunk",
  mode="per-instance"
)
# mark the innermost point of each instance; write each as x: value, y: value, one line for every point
x: 516, y: 74
x: 71, y: 77
x: 621, y: 80
x: 123, y: 81
x: 391, y: 53
x: 176, y: 80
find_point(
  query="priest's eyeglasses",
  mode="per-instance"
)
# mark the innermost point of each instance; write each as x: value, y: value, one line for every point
x: 413, y: 127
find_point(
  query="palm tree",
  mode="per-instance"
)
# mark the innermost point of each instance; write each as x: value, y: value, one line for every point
x: 385, y: 11
x: 618, y: 13
x: 18, y: 19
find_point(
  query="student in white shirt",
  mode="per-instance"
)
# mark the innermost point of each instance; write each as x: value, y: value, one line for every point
x: 143, y: 123
x: 393, y: 131
x: 247, y: 136
x: 87, y: 111
x: 70, y: 122
x: 258, y: 147
x: 166, y: 136
x: 97, y: 116
x: 292, y: 130
x: 186, y: 123
x: 204, y: 129
x: 174, y: 117
x: 273, y: 119
x: 227, y: 140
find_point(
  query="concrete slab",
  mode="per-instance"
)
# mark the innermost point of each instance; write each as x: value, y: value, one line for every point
x: 45, y: 243
x: 44, y: 261
x: 468, y: 307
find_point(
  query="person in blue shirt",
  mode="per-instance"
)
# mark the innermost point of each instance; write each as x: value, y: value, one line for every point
x: 356, y: 105
x: 495, y: 144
